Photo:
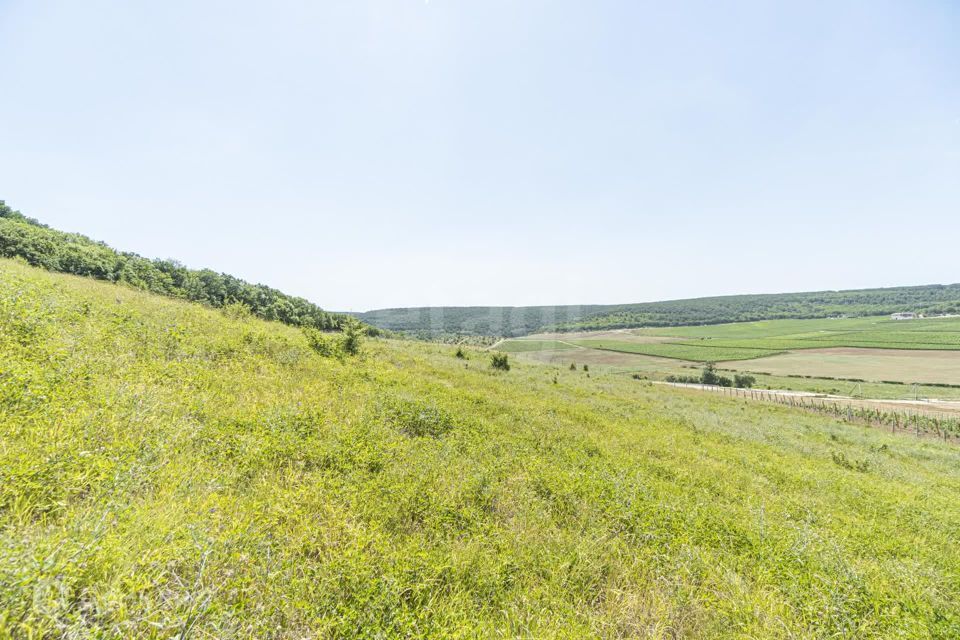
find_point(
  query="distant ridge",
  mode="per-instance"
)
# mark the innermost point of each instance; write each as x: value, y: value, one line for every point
x: 517, y: 321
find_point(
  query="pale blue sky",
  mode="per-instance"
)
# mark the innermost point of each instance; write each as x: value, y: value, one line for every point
x: 399, y: 152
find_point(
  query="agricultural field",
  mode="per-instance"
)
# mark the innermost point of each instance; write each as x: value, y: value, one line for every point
x: 171, y: 470
x: 607, y: 361
x: 866, y: 364
x: 678, y: 350
x: 808, y: 355
x: 518, y: 346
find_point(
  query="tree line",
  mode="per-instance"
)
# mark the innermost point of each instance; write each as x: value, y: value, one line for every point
x: 438, y: 322
x: 928, y: 299
x: 41, y: 246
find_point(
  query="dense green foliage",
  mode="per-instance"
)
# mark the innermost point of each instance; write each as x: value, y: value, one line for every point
x: 709, y: 376
x: 22, y: 237
x: 930, y: 299
x: 500, y: 361
x: 517, y: 321
x: 167, y: 470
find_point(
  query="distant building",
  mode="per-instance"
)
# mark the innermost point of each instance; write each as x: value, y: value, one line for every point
x: 905, y: 315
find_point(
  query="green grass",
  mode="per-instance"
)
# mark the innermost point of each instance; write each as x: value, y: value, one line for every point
x: 519, y: 346
x: 766, y: 328
x: 778, y: 335
x: 865, y: 339
x: 169, y: 471
x: 694, y: 352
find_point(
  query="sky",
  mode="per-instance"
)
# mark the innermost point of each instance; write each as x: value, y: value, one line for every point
x: 390, y: 153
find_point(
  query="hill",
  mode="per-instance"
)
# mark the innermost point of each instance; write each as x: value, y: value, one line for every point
x: 171, y: 470
x: 519, y: 321
x: 41, y: 246
x: 438, y: 322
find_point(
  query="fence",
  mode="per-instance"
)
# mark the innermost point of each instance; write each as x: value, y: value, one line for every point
x: 918, y: 422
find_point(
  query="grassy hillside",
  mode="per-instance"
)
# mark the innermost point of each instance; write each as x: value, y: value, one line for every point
x: 518, y: 321
x: 39, y: 245
x: 167, y: 470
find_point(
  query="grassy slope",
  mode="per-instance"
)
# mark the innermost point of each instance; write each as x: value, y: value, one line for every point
x: 165, y: 468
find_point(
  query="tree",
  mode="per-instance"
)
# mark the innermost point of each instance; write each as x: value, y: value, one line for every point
x: 500, y: 361
x: 709, y: 375
x: 743, y: 381
x: 352, y: 338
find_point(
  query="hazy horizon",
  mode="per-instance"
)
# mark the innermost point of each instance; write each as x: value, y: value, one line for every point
x: 372, y: 155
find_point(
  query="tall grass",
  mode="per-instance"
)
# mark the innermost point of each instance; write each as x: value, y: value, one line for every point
x: 168, y: 470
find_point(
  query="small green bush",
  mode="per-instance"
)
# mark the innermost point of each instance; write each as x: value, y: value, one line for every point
x: 320, y: 342
x: 500, y: 361
x: 237, y: 311
x: 743, y: 381
x: 841, y: 460
x: 347, y: 343
x: 418, y: 419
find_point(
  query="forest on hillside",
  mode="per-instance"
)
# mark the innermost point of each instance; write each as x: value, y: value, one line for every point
x: 440, y: 322
x: 929, y: 299
x: 39, y: 245
x: 432, y: 322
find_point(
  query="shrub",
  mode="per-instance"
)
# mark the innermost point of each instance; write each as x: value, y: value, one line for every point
x: 743, y: 381
x: 709, y: 375
x: 352, y: 339
x: 841, y: 460
x: 586, y: 367
x: 573, y: 366
x: 460, y: 354
x: 418, y: 419
x: 500, y: 361
x: 320, y: 342
x: 237, y: 311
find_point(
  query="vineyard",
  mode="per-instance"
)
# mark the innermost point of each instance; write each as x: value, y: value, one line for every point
x: 932, y: 421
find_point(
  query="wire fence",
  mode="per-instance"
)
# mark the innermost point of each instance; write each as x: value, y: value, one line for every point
x: 919, y: 422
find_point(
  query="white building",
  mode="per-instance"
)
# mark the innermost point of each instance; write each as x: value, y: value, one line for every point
x: 904, y: 315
